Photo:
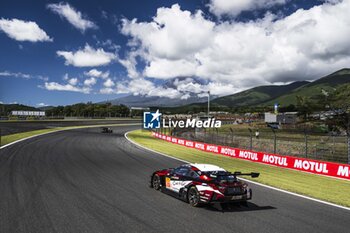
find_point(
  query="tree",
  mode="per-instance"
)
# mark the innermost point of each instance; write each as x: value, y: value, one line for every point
x: 339, y: 103
x: 89, y: 110
x: 289, y: 108
x: 304, y: 106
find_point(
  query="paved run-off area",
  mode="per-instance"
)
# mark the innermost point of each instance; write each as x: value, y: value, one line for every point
x: 84, y: 181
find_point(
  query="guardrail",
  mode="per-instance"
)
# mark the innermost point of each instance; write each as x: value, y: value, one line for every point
x: 301, y: 164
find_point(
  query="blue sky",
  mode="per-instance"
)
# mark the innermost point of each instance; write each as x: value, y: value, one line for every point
x: 58, y: 53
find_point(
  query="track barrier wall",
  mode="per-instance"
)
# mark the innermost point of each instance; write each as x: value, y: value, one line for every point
x: 307, y: 165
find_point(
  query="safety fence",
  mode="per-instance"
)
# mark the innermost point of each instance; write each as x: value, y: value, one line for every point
x: 332, y: 147
x: 295, y: 163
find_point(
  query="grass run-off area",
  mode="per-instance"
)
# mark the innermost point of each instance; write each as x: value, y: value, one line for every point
x: 321, y: 187
x: 14, y: 137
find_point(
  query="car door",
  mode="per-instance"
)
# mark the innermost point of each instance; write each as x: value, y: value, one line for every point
x: 178, y: 179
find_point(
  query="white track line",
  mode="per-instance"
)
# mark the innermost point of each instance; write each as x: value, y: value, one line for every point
x: 253, y: 182
x: 23, y: 139
x: 37, y: 135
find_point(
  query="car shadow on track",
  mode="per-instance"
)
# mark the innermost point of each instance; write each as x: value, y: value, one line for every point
x: 227, y: 207
x: 237, y: 207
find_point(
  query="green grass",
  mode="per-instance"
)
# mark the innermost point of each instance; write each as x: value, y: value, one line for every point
x: 14, y: 137
x: 324, y: 188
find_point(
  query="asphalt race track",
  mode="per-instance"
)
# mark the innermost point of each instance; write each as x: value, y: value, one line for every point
x: 85, y: 181
x: 12, y: 127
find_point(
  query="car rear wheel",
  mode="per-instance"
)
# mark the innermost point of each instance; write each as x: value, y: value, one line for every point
x: 156, y: 182
x: 193, y: 196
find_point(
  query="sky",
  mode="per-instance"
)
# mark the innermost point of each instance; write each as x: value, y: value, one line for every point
x: 66, y: 52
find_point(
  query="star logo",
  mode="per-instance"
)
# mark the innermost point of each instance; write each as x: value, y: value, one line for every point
x: 151, y: 120
x: 156, y: 115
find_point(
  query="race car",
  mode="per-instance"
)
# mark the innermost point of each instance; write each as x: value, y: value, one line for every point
x: 200, y: 184
x: 106, y: 130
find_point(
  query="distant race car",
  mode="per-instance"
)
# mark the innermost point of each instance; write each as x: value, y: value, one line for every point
x: 106, y: 130
x: 200, y: 184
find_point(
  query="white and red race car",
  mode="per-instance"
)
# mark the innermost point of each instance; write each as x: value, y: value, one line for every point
x: 203, y: 184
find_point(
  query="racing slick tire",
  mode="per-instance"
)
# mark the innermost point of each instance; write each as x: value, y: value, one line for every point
x: 193, y: 197
x: 156, y: 182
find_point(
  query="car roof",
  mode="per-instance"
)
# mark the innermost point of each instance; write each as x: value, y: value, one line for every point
x: 206, y: 167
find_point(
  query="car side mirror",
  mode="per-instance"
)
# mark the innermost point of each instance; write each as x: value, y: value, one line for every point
x: 255, y: 174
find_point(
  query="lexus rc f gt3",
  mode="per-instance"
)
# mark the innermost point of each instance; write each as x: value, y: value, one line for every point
x: 200, y: 184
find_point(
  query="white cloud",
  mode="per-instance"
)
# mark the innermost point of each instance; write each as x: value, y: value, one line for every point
x: 203, y: 94
x: 220, y: 89
x: 71, y: 84
x: 107, y: 44
x: 159, y: 42
x: 54, y: 86
x: 65, y: 77
x: 73, y: 16
x: 135, y: 86
x: 97, y: 74
x: 130, y: 64
x: 107, y: 90
x: 235, y: 7
x: 104, y: 14
x: 147, y: 88
x: 185, y: 96
x: 21, y: 30
x: 164, y: 68
x: 90, y: 81
x: 41, y: 77
x: 168, y: 27
x: 332, y: 1
x: 17, y: 75
x: 42, y: 105
x: 232, y: 56
x: 108, y: 83
x: 182, y: 89
x: 73, y: 81
x: 188, y: 85
x: 87, y: 57
x: 22, y: 75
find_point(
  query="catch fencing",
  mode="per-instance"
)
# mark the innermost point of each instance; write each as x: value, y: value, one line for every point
x: 300, y: 164
x: 303, y: 144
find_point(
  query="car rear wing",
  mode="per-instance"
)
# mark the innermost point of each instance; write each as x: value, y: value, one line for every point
x: 251, y: 174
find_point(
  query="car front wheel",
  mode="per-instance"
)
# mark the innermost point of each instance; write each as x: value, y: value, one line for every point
x: 156, y: 182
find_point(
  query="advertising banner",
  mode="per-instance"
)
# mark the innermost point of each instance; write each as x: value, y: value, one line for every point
x: 295, y: 163
x: 28, y: 113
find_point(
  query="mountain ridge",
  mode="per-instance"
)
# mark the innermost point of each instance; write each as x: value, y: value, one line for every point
x: 314, y: 90
x: 149, y: 101
x: 284, y: 95
x: 257, y: 95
